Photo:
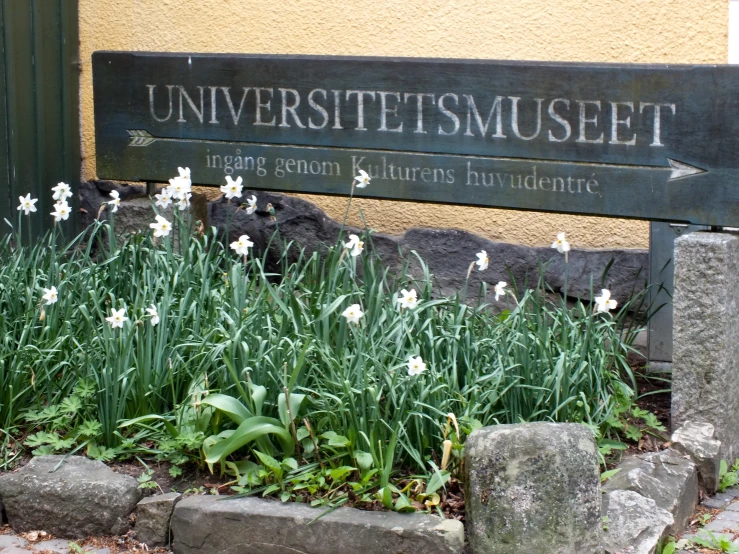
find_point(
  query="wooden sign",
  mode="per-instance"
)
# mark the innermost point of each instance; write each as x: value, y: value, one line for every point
x: 636, y: 141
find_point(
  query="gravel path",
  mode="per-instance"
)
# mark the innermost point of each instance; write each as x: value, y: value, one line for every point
x: 723, y: 523
x: 39, y: 542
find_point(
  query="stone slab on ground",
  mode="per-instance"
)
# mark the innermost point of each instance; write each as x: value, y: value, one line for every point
x: 81, y: 498
x: 668, y: 478
x: 206, y: 525
x: 152, y: 518
x: 11, y: 540
x: 706, y: 336
x: 533, y: 487
x: 697, y: 441
x: 633, y: 523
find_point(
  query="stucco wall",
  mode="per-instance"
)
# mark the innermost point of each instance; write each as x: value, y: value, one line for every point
x: 653, y: 31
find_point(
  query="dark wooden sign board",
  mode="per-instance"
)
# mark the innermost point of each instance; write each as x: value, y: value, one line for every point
x: 649, y: 142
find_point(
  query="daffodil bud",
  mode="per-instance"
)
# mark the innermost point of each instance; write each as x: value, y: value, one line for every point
x: 447, y: 453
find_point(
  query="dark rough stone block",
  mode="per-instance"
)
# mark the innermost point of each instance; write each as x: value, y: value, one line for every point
x: 152, y: 518
x: 447, y: 252
x: 206, y: 525
x: 81, y: 498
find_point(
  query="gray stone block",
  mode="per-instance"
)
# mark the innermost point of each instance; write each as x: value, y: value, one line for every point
x: 81, y: 498
x: 696, y: 440
x: 667, y: 478
x: 152, y: 518
x: 533, y: 487
x: 447, y: 252
x: 634, y: 523
x: 706, y: 335
x: 205, y: 525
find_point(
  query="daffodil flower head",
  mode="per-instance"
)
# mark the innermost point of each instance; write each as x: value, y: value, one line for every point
x: 363, y: 179
x: 251, y: 205
x: 184, y: 176
x: 61, y: 192
x: 61, y: 211
x: 115, y: 202
x: 416, y: 366
x: 604, y: 303
x: 161, y: 227
x: 50, y: 296
x: 408, y: 299
x: 500, y: 290
x: 241, y: 246
x: 356, y: 245
x: 152, y: 311
x: 184, y: 202
x: 353, y: 314
x: 117, y: 318
x: 561, y: 244
x: 179, y: 187
x: 232, y: 189
x: 164, y: 199
x: 482, y: 260
x: 27, y: 204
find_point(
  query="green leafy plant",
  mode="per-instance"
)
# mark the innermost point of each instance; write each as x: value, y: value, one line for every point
x: 188, y: 351
x: 712, y: 541
x: 727, y: 478
x: 666, y: 546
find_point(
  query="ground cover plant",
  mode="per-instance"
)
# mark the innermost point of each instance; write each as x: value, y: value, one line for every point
x: 332, y: 379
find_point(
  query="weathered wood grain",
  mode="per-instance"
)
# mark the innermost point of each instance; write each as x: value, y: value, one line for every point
x: 636, y: 141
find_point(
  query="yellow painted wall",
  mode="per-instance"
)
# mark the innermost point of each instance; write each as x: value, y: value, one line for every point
x: 651, y: 31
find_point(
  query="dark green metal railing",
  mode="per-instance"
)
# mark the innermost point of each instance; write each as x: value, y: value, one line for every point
x: 39, y: 104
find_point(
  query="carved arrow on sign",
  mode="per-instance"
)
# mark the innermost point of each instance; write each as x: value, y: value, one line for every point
x: 142, y: 138
x: 681, y: 169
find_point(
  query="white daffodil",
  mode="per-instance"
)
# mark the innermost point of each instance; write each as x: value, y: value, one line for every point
x: 185, y: 175
x: 61, y: 211
x: 561, y: 244
x: 232, y: 189
x: 161, y: 227
x: 115, y: 202
x: 252, y: 205
x: 184, y: 202
x: 482, y: 260
x: 241, y: 246
x: 50, y: 296
x: 353, y: 313
x: 117, y: 317
x: 362, y: 179
x: 604, y: 303
x: 408, y: 299
x: 154, y: 315
x: 164, y: 200
x: 500, y: 290
x: 178, y: 188
x: 27, y: 203
x: 416, y: 366
x: 355, y: 245
x: 61, y: 192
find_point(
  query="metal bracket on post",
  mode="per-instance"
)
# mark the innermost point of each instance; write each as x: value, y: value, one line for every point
x: 661, y: 280
x: 151, y: 189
